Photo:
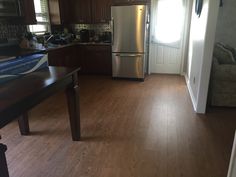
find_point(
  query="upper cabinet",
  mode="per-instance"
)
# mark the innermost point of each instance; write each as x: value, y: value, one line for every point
x: 91, y: 11
x: 81, y: 11
x: 129, y: 2
x: 60, y: 12
x: 101, y: 11
x: 28, y: 12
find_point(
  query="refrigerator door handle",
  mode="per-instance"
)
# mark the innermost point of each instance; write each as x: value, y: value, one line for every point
x: 129, y: 55
x: 113, y: 28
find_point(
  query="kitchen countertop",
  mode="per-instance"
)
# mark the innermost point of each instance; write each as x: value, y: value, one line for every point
x: 7, y: 53
x: 78, y: 43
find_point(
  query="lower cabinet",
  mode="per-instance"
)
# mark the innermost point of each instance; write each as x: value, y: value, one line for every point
x: 60, y: 56
x: 98, y: 60
x: 93, y: 59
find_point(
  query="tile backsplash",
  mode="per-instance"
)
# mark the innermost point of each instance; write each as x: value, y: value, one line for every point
x: 98, y: 28
x: 11, y: 31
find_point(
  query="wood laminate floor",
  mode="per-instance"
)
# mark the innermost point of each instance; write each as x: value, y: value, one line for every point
x: 129, y: 129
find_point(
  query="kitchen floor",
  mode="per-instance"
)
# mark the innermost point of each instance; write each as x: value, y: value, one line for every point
x: 129, y: 129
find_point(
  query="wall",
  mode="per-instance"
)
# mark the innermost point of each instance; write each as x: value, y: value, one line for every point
x: 202, y: 38
x: 226, y: 25
x: 232, y: 166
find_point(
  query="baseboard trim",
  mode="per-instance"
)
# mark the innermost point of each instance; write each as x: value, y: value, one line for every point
x: 191, y: 93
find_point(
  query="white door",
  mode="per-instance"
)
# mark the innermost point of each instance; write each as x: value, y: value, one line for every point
x: 165, y: 59
x: 168, y: 36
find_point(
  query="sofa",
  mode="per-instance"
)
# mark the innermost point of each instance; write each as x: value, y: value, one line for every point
x: 223, y: 77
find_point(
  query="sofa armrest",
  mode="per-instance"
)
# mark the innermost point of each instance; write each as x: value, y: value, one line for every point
x: 224, y: 72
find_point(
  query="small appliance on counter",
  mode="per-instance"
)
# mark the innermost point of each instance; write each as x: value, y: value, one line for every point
x: 84, y: 35
x: 106, y: 37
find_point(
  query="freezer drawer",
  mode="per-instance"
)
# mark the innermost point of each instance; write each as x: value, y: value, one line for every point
x: 128, y: 65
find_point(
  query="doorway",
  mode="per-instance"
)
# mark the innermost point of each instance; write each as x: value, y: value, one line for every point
x: 170, y: 21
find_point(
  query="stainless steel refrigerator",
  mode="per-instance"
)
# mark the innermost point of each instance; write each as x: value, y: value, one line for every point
x: 129, y: 41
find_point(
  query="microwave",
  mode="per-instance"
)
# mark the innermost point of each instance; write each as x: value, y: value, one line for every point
x: 10, y: 8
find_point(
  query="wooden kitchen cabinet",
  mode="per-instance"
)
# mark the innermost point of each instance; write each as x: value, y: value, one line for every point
x: 98, y: 60
x: 81, y: 11
x: 28, y: 12
x: 129, y: 2
x: 101, y: 11
x: 59, y: 12
x: 61, y: 56
x: 92, y: 59
x: 69, y: 56
x: 65, y: 11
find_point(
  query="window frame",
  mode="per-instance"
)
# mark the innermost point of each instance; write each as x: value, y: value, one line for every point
x: 47, y: 23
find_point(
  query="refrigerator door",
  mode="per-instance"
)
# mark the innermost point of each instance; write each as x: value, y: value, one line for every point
x: 129, y: 28
x: 127, y: 65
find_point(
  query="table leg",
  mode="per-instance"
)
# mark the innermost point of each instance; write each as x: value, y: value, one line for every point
x: 72, y: 93
x: 23, y: 122
x: 3, y: 161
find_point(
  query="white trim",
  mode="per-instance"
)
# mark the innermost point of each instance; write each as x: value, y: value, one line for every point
x: 186, y: 34
x: 232, y: 165
x: 194, y: 103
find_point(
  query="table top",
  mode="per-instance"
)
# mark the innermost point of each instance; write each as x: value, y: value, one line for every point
x: 19, y: 91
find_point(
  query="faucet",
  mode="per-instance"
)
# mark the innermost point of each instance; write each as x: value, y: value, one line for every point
x: 46, y: 41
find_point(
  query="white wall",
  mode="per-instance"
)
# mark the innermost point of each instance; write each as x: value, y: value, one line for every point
x: 232, y: 166
x: 202, y: 37
x: 226, y: 25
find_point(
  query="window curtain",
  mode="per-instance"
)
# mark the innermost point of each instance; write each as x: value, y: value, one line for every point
x: 167, y: 22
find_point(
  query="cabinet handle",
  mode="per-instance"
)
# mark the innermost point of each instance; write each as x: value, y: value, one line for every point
x: 19, y: 8
x: 129, y: 55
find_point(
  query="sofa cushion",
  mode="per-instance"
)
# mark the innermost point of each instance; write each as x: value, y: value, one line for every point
x: 223, y: 55
x: 232, y: 50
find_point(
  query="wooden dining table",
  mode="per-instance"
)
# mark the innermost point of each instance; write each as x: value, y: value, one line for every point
x: 17, y: 97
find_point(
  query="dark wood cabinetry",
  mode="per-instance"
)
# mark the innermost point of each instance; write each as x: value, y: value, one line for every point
x: 93, y: 59
x: 98, y: 60
x: 60, y: 12
x: 28, y: 12
x: 65, y: 11
x: 90, y: 11
x: 59, y: 56
x: 129, y: 2
x: 81, y: 11
x: 101, y: 11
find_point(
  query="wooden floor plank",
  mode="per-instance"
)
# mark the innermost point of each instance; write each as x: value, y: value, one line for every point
x: 128, y: 129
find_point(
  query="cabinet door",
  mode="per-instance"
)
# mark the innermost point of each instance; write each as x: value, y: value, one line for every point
x: 101, y: 11
x: 57, y: 57
x: 98, y: 60
x: 28, y: 12
x: 81, y: 11
x: 129, y: 2
x: 77, y: 57
x: 65, y: 11
x: 120, y: 1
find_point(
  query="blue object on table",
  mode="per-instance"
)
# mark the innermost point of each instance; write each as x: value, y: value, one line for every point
x: 17, y: 67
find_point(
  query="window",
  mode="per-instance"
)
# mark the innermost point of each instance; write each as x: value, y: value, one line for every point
x: 167, y: 22
x: 42, y: 16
